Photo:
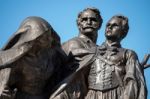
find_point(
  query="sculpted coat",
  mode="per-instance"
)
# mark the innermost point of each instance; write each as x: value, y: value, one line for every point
x: 116, y: 74
x: 89, y: 22
x: 110, y: 71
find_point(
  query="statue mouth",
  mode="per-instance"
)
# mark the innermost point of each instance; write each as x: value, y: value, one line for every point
x: 88, y: 27
x: 108, y: 32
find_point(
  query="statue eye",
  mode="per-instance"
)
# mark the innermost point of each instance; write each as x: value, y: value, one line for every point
x: 84, y: 19
x: 115, y: 24
x: 94, y: 19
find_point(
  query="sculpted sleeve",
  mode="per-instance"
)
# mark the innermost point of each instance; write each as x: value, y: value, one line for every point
x: 71, y: 45
x: 134, y: 81
x: 9, y: 56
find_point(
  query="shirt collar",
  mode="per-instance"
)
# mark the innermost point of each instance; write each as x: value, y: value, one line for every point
x: 110, y: 47
x: 85, y: 38
x: 113, y: 44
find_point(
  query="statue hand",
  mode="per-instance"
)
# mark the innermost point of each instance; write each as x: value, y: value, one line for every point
x: 8, y: 94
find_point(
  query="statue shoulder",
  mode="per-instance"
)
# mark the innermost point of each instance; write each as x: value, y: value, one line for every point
x: 71, y: 44
x: 130, y: 54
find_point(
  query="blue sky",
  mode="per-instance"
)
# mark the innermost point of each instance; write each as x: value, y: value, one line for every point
x: 62, y: 15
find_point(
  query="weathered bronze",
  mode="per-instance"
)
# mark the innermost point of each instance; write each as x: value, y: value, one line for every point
x: 89, y: 22
x: 145, y: 60
x: 116, y: 73
x: 33, y: 65
x: 30, y: 57
x: 110, y: 71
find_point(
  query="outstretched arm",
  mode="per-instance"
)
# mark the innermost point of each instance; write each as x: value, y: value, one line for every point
x: 145, y: 60
x: 13, y: 54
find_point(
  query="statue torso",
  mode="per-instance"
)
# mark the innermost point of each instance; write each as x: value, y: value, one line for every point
x: 34, y: 71
x: 107, y: 70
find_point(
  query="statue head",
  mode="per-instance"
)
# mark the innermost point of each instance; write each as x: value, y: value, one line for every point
x: 34, y: 29
x: 89, y: 21
x: 117, y: 28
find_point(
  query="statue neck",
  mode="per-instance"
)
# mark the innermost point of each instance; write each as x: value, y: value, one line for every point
x: 112, y: 43
x: 92, y: 36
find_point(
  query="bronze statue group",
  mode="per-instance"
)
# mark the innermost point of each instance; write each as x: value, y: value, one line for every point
x: 34, y: 64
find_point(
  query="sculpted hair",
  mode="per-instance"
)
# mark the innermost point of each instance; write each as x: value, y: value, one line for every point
x: 125, y: 24
x: 95, y: 10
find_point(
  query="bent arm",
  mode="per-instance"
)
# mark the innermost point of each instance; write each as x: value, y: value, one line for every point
x: 9, y: 56
x: 135, y: 87
x: 145, y: 60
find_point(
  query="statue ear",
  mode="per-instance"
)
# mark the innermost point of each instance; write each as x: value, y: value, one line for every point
x: 123, y: 35
x: 124, y: 30
x: 78, y: 22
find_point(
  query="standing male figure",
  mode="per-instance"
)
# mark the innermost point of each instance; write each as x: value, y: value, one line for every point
x: 110, y: 71
x: 116, y: 72
x: 89, y: 22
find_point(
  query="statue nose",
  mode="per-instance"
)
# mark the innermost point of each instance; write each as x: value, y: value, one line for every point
x: 110, y: 27
x: 89, y: 21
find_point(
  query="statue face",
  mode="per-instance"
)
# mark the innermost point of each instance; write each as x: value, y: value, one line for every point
x: 114, y: 29
x: 89, y: 22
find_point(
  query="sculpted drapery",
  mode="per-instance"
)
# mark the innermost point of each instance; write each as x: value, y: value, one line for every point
x: 28, y: 59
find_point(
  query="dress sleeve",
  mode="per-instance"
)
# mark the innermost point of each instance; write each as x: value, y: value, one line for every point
x: 134, y: 82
